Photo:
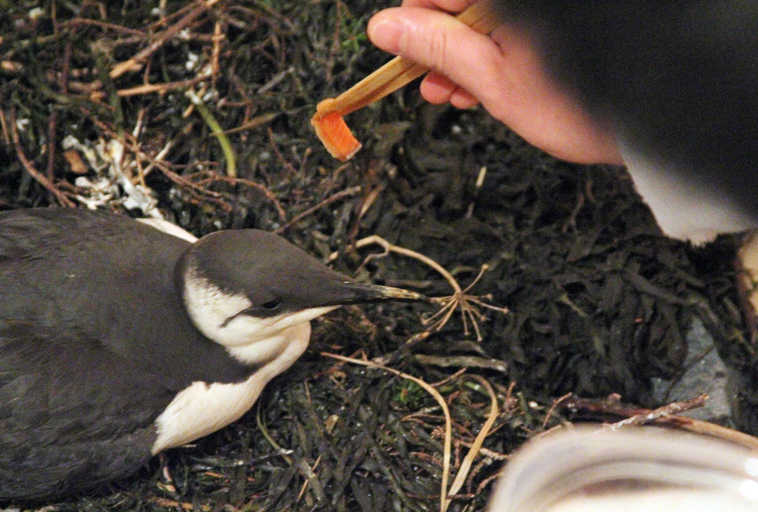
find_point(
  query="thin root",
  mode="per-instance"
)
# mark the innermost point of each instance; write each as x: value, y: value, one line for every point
x: 470, y: 305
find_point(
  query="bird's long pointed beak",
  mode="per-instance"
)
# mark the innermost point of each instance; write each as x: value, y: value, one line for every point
x: 358, y: 293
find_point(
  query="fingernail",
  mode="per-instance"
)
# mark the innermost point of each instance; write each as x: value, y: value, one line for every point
x: 385, y: 32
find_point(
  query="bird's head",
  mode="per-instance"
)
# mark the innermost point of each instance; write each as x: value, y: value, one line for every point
x: 249, y: 290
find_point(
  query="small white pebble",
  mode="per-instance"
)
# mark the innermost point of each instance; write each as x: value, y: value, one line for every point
x: 36, y: 13
x: 192, y: 59
x: 211, y: 95
x: 69, y: 141
x: 115, y: 150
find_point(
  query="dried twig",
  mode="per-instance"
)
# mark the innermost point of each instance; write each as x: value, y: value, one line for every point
x: 254, y: 122
x: 4, y: 127
x: 662, y: 416
x: 159, y: 88
x: 476, y: 446
x: 33, y: 172
x: 211, y: 177
x: 177, y: 505
x: 52, y: 122
x: 650, y: 416
x: 74, y: 22
x: 553, y: 407
x: 135, y: 63
x: 290, y: 169
x: 329, y: 200
x: 201, y: 192
x: 218, y: 37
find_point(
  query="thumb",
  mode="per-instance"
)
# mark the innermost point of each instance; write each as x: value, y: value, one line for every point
x: 438, y: 41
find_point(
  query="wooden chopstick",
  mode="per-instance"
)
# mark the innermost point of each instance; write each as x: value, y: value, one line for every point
x: 400, y: 71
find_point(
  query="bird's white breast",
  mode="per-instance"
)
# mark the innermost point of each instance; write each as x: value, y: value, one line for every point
x: 683, y: 209
x: 203, y: 408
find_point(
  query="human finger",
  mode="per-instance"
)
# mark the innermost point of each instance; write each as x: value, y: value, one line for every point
x: 444, y: 5
x: 463, y: 99
x: 436, y: 88
x: 440, y: 42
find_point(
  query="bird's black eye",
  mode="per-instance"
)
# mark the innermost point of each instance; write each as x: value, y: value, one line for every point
x: 271, y: 305
x: 268, y: 308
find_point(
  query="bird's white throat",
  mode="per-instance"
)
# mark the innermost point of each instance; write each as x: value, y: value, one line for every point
x: 251, y: 340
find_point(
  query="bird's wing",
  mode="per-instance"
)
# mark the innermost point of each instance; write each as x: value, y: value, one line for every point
x: 65, y: 420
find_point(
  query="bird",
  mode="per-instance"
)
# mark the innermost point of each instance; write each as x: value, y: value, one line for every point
x: 676, y: 81
x: 120, y: 339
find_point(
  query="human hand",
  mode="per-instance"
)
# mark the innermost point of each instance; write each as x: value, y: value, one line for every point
x: 502, y: 71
